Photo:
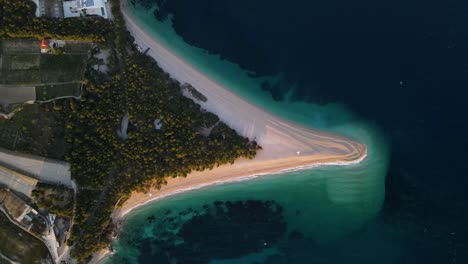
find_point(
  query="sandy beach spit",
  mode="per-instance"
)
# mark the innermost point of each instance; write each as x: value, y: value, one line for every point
x: 285, y: 145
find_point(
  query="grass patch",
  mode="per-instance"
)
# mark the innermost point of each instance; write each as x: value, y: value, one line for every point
x: 21, y: 77
x: 21, y: 46
x: 77, y: 47
x: 20, y: 69
x: 24, y: 62
x: 8, y: 135
x: 37, y: 129
x: 42, y: 69
x: 47, y: 92
x: 18, y: 245
x: 62, y: 68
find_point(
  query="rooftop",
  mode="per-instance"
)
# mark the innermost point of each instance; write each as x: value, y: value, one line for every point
x: 87, y: 3
x: 78, y: 8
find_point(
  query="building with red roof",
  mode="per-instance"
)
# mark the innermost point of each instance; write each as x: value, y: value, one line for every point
x: 45, y: 46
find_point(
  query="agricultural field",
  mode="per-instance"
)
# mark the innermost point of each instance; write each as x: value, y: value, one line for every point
x: 28, y: 75
x: 19, y: 46
x: 20, y: 69
x: 42, y: 69
x: 21, y: 63
x: 20, y: 246
x: 37, y: 129
x: 62, y: 68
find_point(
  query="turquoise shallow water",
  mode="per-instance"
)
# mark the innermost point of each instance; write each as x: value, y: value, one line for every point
x: 326, y: 205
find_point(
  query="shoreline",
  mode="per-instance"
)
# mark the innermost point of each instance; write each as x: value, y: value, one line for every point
x: 122, y: 215
x: 286, y: 146
x: 155, y: 195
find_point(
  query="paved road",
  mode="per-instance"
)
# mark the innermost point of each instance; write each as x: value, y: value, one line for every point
x: 17, y: 182
x: 12, y: 94
x: 47, y: 170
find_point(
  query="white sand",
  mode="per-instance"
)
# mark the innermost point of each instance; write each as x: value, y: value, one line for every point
x: 285, y: 145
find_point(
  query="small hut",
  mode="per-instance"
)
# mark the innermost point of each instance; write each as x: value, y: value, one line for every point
x: 157, y: 124
x: 45, y: 46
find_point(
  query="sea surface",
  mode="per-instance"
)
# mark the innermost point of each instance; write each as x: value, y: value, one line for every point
x: 390, y: 74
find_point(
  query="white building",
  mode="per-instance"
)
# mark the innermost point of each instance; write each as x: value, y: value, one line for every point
x: 157, y: 124
x: 77, y: 8
x: 38, y: 8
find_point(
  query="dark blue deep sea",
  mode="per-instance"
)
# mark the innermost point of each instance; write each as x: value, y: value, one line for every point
x: 401, y: 65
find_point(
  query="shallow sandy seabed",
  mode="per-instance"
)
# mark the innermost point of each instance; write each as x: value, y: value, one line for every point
x: 285, y: 145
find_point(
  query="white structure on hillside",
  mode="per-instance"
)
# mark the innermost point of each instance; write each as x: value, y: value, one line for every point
x: 77, y: 8
x: 38, y: 8
x: 157, y: 124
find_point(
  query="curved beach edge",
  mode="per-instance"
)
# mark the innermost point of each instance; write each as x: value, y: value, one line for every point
x: 286, y: 146
x: 155, y: 195
x: 177, y: 186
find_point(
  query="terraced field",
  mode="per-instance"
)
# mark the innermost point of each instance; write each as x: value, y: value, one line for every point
x: 20, y: 69
x: 27, y: 75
